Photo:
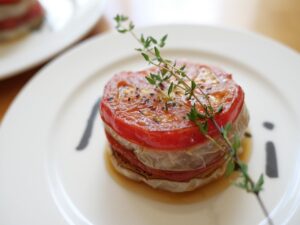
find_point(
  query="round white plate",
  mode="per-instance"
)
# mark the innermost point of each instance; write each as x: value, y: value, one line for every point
x: 45, y: 180
x: 66, y: 22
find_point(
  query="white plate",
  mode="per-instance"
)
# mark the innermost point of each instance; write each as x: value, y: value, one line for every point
x: 66, y: 22
x: 44, y: 180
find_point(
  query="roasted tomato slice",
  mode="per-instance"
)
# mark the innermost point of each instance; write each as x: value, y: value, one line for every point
x: 141, y: 113
x: 34, y: 11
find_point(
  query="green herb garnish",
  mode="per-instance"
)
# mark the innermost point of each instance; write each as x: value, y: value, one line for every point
x: 150, y: 51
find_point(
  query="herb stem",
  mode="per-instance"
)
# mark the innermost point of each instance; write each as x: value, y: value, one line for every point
x: 264, y: 209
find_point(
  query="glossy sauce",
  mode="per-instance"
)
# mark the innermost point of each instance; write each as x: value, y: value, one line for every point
x: 200, y: 194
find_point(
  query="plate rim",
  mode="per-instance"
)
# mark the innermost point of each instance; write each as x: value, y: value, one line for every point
x: 42, y: 72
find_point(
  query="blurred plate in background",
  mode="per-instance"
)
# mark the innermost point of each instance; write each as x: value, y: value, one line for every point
x: 66, y: 22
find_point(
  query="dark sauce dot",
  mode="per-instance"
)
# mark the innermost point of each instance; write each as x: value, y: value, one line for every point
x: 87, y: 133
x: 271, y: 166
x: 248, y: 135
x: 268, y: 125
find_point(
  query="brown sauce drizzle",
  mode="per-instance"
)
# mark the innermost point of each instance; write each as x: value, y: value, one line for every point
x: 198, y: 195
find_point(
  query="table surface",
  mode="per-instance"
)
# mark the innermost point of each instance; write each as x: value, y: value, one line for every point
x: 278, y: 19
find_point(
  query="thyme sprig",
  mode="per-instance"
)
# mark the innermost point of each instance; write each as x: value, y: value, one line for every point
x: 170, y: 78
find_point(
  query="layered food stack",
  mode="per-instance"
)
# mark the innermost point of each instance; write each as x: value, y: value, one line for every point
x: 152, y: 140
x: 18, y: 17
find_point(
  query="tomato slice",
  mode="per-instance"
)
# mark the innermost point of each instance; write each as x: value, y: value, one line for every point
x: 136, y: 110
x: 34, y: 11
x: 128, y: 160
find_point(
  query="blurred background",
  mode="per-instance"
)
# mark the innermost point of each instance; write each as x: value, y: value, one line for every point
x: 277, y: 19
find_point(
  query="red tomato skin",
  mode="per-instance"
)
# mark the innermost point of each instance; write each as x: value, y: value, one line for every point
x: 167, y: 139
